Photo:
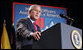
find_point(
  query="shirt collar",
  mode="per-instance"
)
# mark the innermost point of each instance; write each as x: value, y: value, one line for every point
x: 31, y: 19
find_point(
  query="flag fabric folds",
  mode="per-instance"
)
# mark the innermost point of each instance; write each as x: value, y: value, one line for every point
x: 5, y: 44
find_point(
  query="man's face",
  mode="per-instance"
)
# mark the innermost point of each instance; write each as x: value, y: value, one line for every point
x: 35, y: 13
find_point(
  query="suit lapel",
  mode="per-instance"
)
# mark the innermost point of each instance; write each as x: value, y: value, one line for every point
x: 30, y: 25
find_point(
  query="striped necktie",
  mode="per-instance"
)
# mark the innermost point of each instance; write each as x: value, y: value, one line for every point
x: 35, y: 26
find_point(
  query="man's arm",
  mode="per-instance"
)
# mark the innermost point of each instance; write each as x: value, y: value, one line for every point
x: 22, y: 30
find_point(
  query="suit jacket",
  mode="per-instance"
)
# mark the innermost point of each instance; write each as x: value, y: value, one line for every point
x: 23, y: 29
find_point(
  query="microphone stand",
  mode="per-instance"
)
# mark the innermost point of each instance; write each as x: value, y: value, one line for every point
x: 71, y: 20
x: 68, y: 18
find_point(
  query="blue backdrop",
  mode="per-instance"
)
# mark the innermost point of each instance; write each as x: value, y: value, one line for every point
x: 50, y: 15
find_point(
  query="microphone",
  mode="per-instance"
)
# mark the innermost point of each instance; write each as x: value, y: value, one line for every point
x: 66, y: 17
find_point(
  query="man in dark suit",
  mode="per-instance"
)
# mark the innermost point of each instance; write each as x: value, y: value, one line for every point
x: 27, y: 31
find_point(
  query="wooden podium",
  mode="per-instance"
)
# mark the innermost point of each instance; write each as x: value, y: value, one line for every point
x: 59, y: 36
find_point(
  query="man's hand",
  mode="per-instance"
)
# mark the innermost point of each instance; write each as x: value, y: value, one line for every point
x: 36, y: 35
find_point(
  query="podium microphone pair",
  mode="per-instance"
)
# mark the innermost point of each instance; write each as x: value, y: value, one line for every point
x: 61, y: 15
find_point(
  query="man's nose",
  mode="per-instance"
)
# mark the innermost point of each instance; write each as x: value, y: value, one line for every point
x: 37, y: 12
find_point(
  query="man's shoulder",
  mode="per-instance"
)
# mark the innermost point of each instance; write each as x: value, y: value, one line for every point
x: 21, y: 20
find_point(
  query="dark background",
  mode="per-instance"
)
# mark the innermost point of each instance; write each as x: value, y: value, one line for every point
x: 74, y: 10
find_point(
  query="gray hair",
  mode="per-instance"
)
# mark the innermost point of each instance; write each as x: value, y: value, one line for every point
x: 32, y: 6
